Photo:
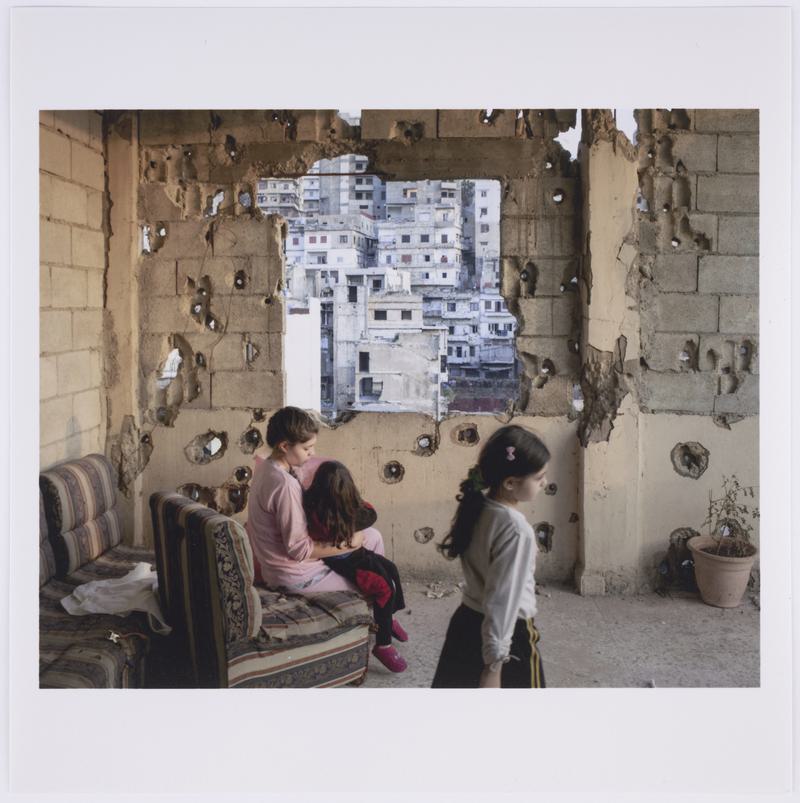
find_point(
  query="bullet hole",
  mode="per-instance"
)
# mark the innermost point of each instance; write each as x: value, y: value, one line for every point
x: 689, y: 459
x: 641, y: 203
x: 162, y: 415
x: 574, y: 517
x: 249, y: 351
x: 548, y: 165
x: 196, y: 308
x: 675, y: 242
x: 569, y: 286
x: 643, y: 364
x: 688, y: 357
x: 259, y: 415
x: 650, y: 154
x: 728, y: 382
x: 425, y: 446
x: 169, y: 369
x: 245, y: 199
x: 213, y: 203
x: 528, y: 279
x: 678, y: 119
x: 230, y: 147
x: 558, y: 196
x: 268, y: 300
x: 207, y: 447
x: 243, y: 474
x: 232, y: 498
x: 393, y: 472
x: 200, y: 359
x: 488, y: 116
x: 466, y: 435
x: 198, y: 493
x: 681, y: 193
x: 240, y: 280
x: 574, y: 346
x: 212, y: 323
x: 551, y: 489
x: 146, y: 440
x: 216, y: 121
x: 153, y: 237
x: 744, y: 356
x: 665, y: 208
x: 423, y: 535
x: 577, y: 398
x: 250, y: 440
x: 187, y: 153
x: 544, y: 535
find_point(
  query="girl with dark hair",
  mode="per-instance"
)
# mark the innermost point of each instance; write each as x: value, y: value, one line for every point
x: 491, y: 640
x: 335, y: 511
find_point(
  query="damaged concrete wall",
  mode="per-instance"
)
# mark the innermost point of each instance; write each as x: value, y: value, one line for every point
x: 195, y: 320
x: 72, y: 254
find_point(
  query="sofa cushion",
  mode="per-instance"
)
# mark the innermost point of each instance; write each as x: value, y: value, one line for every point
x: 302, y: 619
x: 47, y: 560
x: 61, y: 634
x: 79, y: 498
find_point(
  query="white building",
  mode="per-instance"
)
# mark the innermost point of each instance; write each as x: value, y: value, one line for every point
x: 282, y: 196
x: 301, y: 354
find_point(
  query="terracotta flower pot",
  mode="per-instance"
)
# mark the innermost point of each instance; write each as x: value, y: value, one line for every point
x: 722, y: 581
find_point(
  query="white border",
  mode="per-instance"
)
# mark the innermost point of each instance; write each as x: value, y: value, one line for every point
x: 408, y: 744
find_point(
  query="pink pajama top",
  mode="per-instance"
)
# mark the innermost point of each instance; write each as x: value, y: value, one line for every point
x: 277, y: 528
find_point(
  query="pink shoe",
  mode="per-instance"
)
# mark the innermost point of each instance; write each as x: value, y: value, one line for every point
x: 398, y: 632
x: 390, y: 658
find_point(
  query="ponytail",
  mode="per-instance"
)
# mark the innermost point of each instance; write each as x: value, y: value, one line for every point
x: 470, y: 504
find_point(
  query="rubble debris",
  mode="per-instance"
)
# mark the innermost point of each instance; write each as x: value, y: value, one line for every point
x: 439, y: 590
x: 604, y: 386
x: 130, y: 453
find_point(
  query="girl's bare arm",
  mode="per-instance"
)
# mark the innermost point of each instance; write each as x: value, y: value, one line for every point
x: 327, y: 550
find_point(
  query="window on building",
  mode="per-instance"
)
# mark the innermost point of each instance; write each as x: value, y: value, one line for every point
x: 323, y: 238
x: 363, y: 361
x: 498, y: 306
x: 444, y: 258
x: 487, y: 305
x: 366, y: 386
x: 459, y: 351
x: 449, y: 351
x: 405, y: 238
x: 322, y: 260
x: 451, y: 306
x: 388, y: 259
x: 335, y: 276
x: 484, y: 211
x: 427, y: 276
x: 443, y: 364
x: 474, y: 330
x: 451, y: 330
x: 352, y: 296
x: 312, y: 239
x: 474, y: 306
x: 444, y: 238
x: 406, y: 258
x: 444, y: 275
x: 483, y: 193
x: 379, y: 315
x: 472, y: 351
x: 405, y: 315
x: 295, y: 241
x: 426, y: 258
x: 359, y: 181
x: 343, y: 238
x: 425, y: 238
x: 484, y: 228
x: 377, y: 284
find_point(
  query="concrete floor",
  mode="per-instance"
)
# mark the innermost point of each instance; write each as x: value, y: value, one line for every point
x: 598, y: 642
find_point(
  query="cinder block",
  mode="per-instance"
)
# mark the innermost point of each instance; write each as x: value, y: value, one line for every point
x: 675, y: 272
x: 87, y: 329
x: 550, y: 188
x: 724, y: 348
x: 45, y: 196
x: 728, y: 274
x: 537, y: 316
x: 467, y: 123
x: 47, y: 118
x: 726, y: 120
x: 550, y: 273
x: 743, y: 402
x: 264, y: 273
x: 738, y: 235
x: 738, y: 153
x: 186, y: 238
x: 171, y: 127
x: 87, y: 410
x: 649, y: 236
x: 74, y: 372
x: 96, y: 361
x: 220, y: 270
x: 248, y: 237
x: 45, y: 288
x: 88, y: 167
x: 522, y: 197
x: 251, y: 314
x: 168, y: 314
x: 393, y: 123
x: 663, y: 352
x: 155, y: 204
x: 554, y: 348
x: 738, y: 314
x: 68, y: 287
x: 554, y: 398
x: 228, y: 354
x: 727, y: 193
x: 247, y: 389
x: 158, y: 277
x: 94, y: 210
x: 48, y: 377
x: 55, y: 242
x: 54, y: 153
x: 96, y: 131
x: 67, y: 201
x: 55, y: 331
x: 75, y: 124
x: 679, y: 312
x: 698, y: 152
x: 705, y: 224
x: 564, y: 312
x: 55, y: 420
x: 678, y: 392
x: 555, y: 237
x: 88, y: 248
x: 94, y: 289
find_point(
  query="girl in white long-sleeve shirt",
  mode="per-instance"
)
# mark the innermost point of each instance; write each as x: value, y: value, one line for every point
x: 491, y: 640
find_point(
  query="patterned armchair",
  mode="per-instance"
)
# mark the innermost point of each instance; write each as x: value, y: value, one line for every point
x: 228, y: 632
x: 80, y: 541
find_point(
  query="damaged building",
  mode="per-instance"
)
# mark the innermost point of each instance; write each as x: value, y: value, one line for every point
x: 631, y: 273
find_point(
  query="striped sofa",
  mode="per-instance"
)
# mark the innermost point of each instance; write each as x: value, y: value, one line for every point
x: 80, y: 541
x: 231, y: 633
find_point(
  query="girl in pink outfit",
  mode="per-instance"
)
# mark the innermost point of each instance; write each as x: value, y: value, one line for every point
x: 276, y: 524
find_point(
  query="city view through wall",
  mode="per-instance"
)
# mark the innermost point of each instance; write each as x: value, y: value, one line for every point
x: 398, y: 284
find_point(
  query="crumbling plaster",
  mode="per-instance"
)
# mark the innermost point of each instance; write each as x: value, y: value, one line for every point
x: 573, y: 273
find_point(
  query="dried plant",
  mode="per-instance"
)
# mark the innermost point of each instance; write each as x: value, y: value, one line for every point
x: 730, y: 519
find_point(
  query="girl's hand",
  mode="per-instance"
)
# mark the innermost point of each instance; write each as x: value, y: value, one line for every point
x: 490, y: 679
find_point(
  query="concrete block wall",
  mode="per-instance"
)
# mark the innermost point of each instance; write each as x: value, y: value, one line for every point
x: 698, y: 243
x: 72, y: 254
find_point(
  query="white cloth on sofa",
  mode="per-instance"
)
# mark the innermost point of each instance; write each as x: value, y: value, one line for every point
x: 136, y: 591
